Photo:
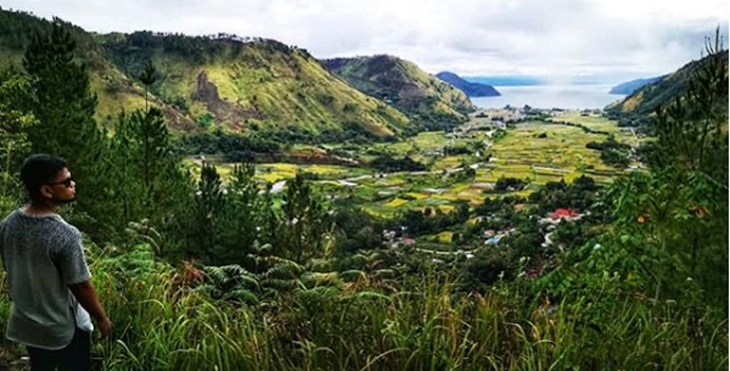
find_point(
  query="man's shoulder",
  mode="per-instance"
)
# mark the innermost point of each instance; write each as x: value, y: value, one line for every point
x: 51, y: 224
x: 66, y: 228
x: 10, y: 219
x: 12, y: 215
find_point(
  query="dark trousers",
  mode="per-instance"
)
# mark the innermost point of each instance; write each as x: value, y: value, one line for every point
x: 74, y: 357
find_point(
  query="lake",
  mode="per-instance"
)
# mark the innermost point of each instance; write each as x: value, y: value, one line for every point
x: 550, y: 96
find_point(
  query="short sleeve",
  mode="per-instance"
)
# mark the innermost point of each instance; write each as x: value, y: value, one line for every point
x: 71, y: 260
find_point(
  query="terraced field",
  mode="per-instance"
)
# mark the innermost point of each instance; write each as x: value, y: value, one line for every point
x: 279, y: 171
x: 535, y: 151
x: 561, y: 154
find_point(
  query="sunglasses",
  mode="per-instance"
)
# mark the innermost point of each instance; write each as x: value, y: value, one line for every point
x: 66, y: 182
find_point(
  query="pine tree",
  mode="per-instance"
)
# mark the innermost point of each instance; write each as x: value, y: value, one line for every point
x: 148, y: 177
x: 148, y: 77
x: 15, y: 124
x: 128, y: 190
x: 63, y: 101
x: 209, y: 202
x: 64, y: 106
x: 238, y: 225
x: 269, y: 221
x: 305, y: 220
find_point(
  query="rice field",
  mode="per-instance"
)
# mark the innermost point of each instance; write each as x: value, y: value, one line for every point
x: 535, y: 151
x: 280, y: 171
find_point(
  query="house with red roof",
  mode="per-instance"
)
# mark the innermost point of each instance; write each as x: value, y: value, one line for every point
x: 562, y: 213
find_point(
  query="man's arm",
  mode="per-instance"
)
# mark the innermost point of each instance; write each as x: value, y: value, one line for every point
x: 86, y: 295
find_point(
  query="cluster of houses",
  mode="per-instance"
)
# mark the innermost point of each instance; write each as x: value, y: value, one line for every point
x: 490, y: 236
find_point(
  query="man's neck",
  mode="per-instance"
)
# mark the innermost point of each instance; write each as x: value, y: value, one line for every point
x: 42, y: 209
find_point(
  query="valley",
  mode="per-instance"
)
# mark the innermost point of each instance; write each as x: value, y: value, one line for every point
x: 245, y: 205
x: 462, y: 166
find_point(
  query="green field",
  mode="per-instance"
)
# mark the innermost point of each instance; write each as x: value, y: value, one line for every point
x: 535, y: 151
x: 562, y: 154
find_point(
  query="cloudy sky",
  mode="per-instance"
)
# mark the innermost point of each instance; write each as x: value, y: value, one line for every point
x: 561, y: 40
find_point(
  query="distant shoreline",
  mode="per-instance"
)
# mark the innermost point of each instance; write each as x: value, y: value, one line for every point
x: 573, y: 96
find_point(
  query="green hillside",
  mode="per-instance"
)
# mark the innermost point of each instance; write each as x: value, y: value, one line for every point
x: 115, y: 90
x: 648, y: 98
x: 216, y: 81
x: 423, y: 97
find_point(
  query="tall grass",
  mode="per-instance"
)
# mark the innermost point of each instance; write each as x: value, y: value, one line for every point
x: 160, y: 324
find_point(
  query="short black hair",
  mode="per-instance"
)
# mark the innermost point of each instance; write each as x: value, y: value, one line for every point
x: 40, y: 169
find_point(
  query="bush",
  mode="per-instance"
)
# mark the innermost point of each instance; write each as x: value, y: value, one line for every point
x: 387, y: 163
x: 507, y: 184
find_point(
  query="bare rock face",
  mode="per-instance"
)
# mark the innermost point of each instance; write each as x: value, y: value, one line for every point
x: 207, y: 91
x: 224, y: 111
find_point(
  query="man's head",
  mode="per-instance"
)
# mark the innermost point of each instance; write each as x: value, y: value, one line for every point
x: 47, y: 180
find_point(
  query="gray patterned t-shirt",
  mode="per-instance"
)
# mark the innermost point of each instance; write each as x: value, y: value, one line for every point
x: 42, y: 255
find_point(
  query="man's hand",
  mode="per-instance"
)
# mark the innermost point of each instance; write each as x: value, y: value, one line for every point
x: 86, y: 295
x: 105, y: 327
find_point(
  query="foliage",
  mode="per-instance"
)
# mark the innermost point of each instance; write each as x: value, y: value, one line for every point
x: 238, y: 229
x: 429, y: 221
x: 509, y: 184
x: 668, y: 235
x: 161, y: 324
x: 305, y: 222
x: 387, y: 163
x: 209, y: 204
x: 356, y: 230
x: 15, y: 124
x: 228, y: 273
x: 63, y: 104
x: 612, y: 152
x: 229, y: 144
x: 579, y: 195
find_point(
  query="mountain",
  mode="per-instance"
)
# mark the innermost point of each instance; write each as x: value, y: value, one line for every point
x: 506, y: 80
x: 471, y: 89
x: 239, y: 84
x: 629, y: 87
x: 421, y: 96
x: 251, y: 84
x: 646, y: 99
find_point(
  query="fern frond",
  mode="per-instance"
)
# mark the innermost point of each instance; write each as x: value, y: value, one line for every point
x: 242, y: 295
x: 317, y: 278
x: 317, y: 293
x: 279, y: 284
x: 370, y: 295
x: 385, y: 273
x: 353, y: 275
x: 285, y: 268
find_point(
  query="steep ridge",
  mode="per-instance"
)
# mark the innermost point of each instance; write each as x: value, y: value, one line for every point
x: 626, y: 88
x: 646, y: 99
x: 424, y: 98
x: 239, y: 84
x: 251, y: 84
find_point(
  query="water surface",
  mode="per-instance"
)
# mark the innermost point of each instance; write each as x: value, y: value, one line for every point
x: 550, y: 96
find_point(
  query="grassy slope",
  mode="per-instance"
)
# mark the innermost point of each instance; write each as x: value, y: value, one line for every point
x: 401, y: 82
x: 258, y: 82
x: 268, y: 87
x: 115, y: 91
x: 647, y: 98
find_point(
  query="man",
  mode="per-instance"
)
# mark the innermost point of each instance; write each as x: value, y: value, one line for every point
x: 47, y: 274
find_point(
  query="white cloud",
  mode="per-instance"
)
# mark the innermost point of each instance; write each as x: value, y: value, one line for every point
x: 556, y: 38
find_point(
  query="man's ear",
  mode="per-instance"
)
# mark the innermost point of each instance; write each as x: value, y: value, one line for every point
x: 46, y: 191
